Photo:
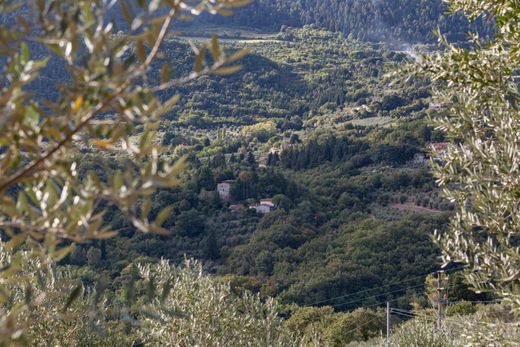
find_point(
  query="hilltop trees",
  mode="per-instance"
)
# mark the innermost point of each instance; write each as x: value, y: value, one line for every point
x: 395, y: 21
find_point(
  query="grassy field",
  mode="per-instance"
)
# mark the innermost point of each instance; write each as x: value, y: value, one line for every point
x: 227, y: 33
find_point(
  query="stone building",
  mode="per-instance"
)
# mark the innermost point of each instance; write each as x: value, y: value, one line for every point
x: 224, y: 190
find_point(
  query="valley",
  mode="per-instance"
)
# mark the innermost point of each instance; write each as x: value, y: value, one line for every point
x: 317, y: 123
x: 270, y: 173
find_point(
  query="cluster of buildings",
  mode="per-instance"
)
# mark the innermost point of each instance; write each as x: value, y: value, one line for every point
x: 264, y: 206
x: 438, y: 150
x: 224, y: 192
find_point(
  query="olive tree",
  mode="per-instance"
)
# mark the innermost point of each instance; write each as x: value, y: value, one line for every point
x: 178, y: 306
x: 480, y: 173
x: 199, y: 310
x: 108, y: 102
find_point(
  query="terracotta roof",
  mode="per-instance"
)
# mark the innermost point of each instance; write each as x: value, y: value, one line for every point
x: 439, y: 145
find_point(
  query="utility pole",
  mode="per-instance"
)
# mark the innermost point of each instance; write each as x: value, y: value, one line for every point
x: 387, y: 324
x: 439, y: 299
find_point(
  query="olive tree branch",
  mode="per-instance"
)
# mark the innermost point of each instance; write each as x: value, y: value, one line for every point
x: 97, y: 110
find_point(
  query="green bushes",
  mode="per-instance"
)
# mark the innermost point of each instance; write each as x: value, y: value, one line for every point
x: 461, y: 308
x: 323, y: 326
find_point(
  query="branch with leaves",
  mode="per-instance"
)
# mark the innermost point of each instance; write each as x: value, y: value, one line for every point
x: 481, y: 171
x: 46, y: 205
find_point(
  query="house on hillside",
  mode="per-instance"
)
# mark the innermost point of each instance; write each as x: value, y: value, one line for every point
x: 224, y: 190
x: 439, y: 149
x: 265, y: 206
x: 259, y: 208
x: 362, y: 108
x: 436, y: 105
x: 267, y: 202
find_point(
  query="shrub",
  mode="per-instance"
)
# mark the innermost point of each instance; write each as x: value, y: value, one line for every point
x: 421, y: 333
x: 461, y: 308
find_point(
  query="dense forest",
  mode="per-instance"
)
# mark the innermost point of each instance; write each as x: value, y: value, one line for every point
x: 395, y: 21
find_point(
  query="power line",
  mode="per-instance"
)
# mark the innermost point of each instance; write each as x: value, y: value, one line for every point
x: 475, y: 302
x: 376, y: 304
x: 362, y: 325
x: 376, y: 295
x: 365, y: 290
x: 381, y: 303
x: 392, y: 310
x: 380, y: 287
x: 409, y: 313
x: 431, y: 319
x: 402, y: 310
x: 402, y: 314
x: 367, y: 306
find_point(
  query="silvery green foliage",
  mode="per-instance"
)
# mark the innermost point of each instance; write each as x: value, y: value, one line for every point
x: 489, y: 334
x: 107, y: 92
x: 491, y: 326
x: 46, y: 205
x: 477, y: 330
x: 47, y: 315
x: 171, y: 306
x: 198, y: 310
x: 481, y: 171
x: 419, y: 332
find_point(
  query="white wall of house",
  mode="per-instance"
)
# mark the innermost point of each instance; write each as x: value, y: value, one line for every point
x: 262, y: 209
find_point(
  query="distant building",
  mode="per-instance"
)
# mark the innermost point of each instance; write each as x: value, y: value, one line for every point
x: 440, y: 149
x: 438, y: 146
x: 261, y: 208
x: 267, y: 202
x: 224, y: 190
x: 265, y: 206
x: 362, y: 108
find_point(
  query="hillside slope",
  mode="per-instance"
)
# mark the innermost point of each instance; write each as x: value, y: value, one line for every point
x: 335, y: 230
